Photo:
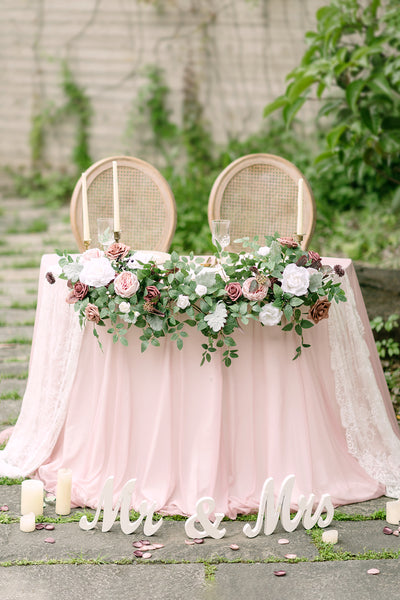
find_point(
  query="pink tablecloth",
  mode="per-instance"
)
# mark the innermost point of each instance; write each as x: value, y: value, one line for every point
x: 185, y: 431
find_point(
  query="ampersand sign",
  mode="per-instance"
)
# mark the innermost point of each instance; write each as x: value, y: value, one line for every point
x: 204, y: 508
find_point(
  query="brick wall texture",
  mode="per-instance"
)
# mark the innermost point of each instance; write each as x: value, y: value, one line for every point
x: 239, y: 50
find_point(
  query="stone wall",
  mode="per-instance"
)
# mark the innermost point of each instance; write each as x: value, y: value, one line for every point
x: 239, y: 50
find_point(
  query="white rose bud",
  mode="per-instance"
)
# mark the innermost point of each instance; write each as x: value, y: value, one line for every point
x: 200, y: 289
x: 295, y: 280
x: 182, y: 301
x: 124, y: 307
x: 270, y: 315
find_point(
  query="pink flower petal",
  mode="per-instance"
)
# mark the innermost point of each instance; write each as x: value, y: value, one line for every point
x: 189, y: 542
x: 396, y: 532
x: 4, y: 508
x: 387, y: 531
x: 144, y: 542
x: 198, y: 541
x: 158, y: 546
x: 373, y: 571
x: 146, y: 555
x: 50, y: 540
x: 137, y: 544
x: 234, y: 547
x: 49, y: 526
x: 138, y: 553
x: 39, y: 526
x: 290, y: 556
x: 280, y: 573
x: 283, y: 541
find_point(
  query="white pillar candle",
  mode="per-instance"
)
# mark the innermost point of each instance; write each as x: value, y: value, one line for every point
x: 393, y: 512
x: 300, y: 208
x: 116, y: 197
x: 63, y: 492
x: 27, y: 522
x: 85, y: 210
x: 330, y: 536
x: 32, y: 497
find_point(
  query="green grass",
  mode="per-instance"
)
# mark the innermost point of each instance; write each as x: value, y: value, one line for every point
x: 23, y: 306
x: 36, y: 226
x: 20, y: 376
x: 29, y: 264
x: 13, y: 395
x: 20, y: 341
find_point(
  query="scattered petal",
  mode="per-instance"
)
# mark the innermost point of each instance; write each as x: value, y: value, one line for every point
x: 396, y: 532
x: 198, y: 541
x: 280, y: 573
x: 39, y: 526
x: 50, y: 540
x: 144, y: 542
x: 189, y: 542
x: 137, y: 544
x: 387, y: 531
x: 290, y: 556
x: 146, y: 555
x: 234, y: 547
x: 283, y: 541
x: 373, y: 571
x: 158, y: 546
x: 49, y: 526
x: 138, y: 553
x: 4, y: 508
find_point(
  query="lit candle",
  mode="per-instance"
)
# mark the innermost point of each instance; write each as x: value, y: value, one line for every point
x: 330, y: 536
x: 63, y: 492
x: 116, y: 197
x: 85, y: 211
x: 300, y: 208
x: 393, y: 512
x: 27, y: 522
x: 32, y: 497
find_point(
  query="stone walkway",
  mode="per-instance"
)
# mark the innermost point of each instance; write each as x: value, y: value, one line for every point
x: 92, y: 564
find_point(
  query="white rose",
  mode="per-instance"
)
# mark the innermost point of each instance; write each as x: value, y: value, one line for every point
x: 295, y: 280
x: 124, y: 307
x: 97, y: 272
x: 183, y: 301
x: 72, y: 271
x: 200, y: 289
x: 270, y: 315
x: 264, y: 251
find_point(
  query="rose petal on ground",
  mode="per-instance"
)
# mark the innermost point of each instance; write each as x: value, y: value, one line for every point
x: 50, y: 540
x: 373, y: 571
x: 138, y: 553
x: 146, y: 555
x: 198, y: 541
x: 290, y: 556
x: 396, y: 532
x: 144, y: 542
x: 280, y: 573
x: 283, y: 541
x: 149, y: 547
x: 158, y: 546
x: 234, y: 547
x: 4, y: 508
x: 189, y: 542
x: 49, y: 526
x: 387, y: 531
x: 39, y: 526
x: 137, y: 544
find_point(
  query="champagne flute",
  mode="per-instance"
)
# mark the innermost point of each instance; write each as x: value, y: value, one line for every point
x: 220, y: 233
x: 105, y: 232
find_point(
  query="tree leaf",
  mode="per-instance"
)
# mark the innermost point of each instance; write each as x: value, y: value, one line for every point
x: 298, y: 87
x: 353, y: 92
x: 272, y: 106
x: 290, y: 111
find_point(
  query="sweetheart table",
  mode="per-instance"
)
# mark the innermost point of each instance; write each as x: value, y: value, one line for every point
x: 185, y: 431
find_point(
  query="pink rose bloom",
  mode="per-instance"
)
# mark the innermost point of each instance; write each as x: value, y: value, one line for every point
x: 258, y: 293
x: 288, y: 241
x: 92, y: 253
x: 117, y: 250
x: 126, y: 284
x: 92, y: 313
x: 234, y: 290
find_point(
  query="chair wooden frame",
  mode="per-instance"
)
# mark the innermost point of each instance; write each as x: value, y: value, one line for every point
x: 147, y: 204
x: 266, y: 215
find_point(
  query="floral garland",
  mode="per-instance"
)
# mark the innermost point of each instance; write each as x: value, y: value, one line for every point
x: 276, y: 284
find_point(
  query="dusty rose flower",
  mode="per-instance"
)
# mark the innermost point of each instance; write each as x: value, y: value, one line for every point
x: 288, y: 241
x: 126, y: 284
x: 92, y: 313
x: 71, y: 298
x: 302, y: 261
x: 80, y: 290
x: 153, y: 293
x: 50, y: 277
x: 117, y: 250
x: 313, y: 256
x: 89, y: 254
x: 252, y: 290
x: 339, y: 270
x: 234, y: 290
x: 320, y: 310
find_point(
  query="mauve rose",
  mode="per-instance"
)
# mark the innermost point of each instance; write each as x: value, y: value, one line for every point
x: 258, y: 293
x: 313, y: 256
x: 320, y: 310
x: 117, y: 250
x: 126, y: 284
x: 92, y: 313
x: 288, y: 241
x: 339, y: 270
x: 234, y: 290
x: 80, y: 290
x: 153, y: 293
x: 50, y: 277
x: 92, y: 253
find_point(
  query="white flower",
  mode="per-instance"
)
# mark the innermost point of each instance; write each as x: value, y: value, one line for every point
x: 72, y: 271
x: 183, y: 301
x: 124, y: 307
x: 295, y: 280
x: 270, y: 315
x: 217, y: 319
x: 140, y: 255
x: 200, y: 289
x: 97, y: 272
x: 264, y: 251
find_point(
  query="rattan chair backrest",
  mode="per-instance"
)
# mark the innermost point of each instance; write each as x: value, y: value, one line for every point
x: 147, y: 205
x: 258, y: 194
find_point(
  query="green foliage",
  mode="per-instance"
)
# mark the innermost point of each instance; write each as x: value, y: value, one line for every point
x: 352, y: 63
x: 387, y: 347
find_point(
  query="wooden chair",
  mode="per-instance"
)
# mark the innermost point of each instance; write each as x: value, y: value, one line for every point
x: 147, y: 205
x: 258, y: 194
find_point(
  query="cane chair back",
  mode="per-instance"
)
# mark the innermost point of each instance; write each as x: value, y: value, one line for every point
x: 258, y: 194
x: 147, y: 205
